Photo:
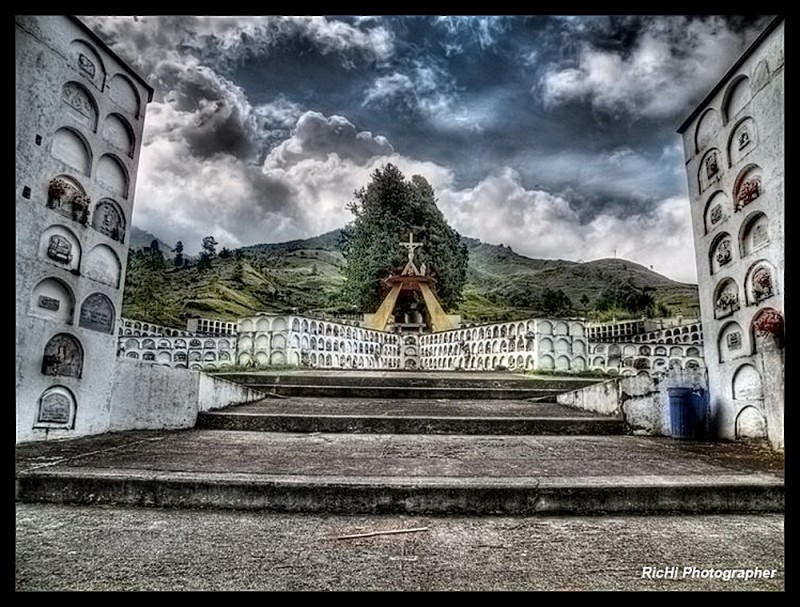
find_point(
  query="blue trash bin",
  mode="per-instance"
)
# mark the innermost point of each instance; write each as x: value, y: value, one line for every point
x: 681, y: 413
x: 700, y: 406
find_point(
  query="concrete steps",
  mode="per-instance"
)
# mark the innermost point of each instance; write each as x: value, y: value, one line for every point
x: 400, y: 384
x: 407, y: 416
x: 382, y: 473
x: 467, y: 455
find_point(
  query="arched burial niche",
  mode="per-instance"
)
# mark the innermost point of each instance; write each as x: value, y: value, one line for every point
x: 70, y: 148
x: 767, y: 328
x: 97, y: 313
x: 112, y: 175
x: 60, y: 247
x: 707, y: 127
x: 760, y: 76
x: 52, y: 299
x: 754, y: 233
x: 747, y: 383
x: 88, y: 63
x: 119, y: 133
x: 56, y: 408
x: 721, y: 252
x: 80, y: 105
x: 124, y: 94
x: 726, y: 298
x: 710, y: 169
x: 717, y: 211
x: 109, y: 219
x: 103, y: 265
x: 66, y: 196
x: 743, y: 141
x: 731, y: 342
x: 760, y: 282
x: 63, y: 355
x: 749, y: 186
x: 736, y: 97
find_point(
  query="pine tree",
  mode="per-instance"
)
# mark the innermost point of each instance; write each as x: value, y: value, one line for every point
x: 385, y: 211
x: 208, y: 252
x: 178, y: 250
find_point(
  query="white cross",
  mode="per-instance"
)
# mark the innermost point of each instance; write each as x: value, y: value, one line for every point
x: 411, y: 246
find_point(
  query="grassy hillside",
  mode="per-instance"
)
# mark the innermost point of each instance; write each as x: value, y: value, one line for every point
x: 304, y: 276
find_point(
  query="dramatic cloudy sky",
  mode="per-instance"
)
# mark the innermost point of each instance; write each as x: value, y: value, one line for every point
x: 554, y: 135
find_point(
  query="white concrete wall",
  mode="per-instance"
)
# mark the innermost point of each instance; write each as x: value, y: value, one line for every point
x: 601, y: 398
x: 216, y: 393
x: 642, y: 400
x: 152, y: 397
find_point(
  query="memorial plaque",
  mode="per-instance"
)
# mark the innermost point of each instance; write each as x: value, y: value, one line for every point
x: 63, y: 356
x: 97, y: 314
x: 734, y: 341
x: 716, y: 214
x: 106, y: 219
x: 55, y: 407
x: 75, y: 97
x: 49, y: 303
x: 59, y: 249
x: 86, y: 64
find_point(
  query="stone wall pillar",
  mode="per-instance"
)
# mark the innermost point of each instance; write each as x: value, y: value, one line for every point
x: 772, y: 377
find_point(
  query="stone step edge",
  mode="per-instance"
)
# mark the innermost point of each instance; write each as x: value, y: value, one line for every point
x: 461, y: 495
x: 406, y: 392
x: 385, y: 424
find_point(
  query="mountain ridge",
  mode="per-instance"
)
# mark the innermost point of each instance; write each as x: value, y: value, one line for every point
x: 304, y: 275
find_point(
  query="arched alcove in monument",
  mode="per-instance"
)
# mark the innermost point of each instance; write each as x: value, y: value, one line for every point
x: 119, y: 134
x: 113, y: 175
x: 103, y: 265
x: 754, y: 233
x: 748, y: 187
x: 707, y: 127
x: 88, y: 63
x: 732, y: 342
x: 760, y: 283
x: 750, y: 423
x: 726, y: 298
x: 717, y: 211
x: 59, y: 246
x: 63, y: 356
x: 743, y: 140
x: 72, y: 149
x: 79, y: 105
x: 720, y: 252
x: 123, y: 93
x: 52, y: 299
x: 56, y: 408
x: 709, y: 171
x: 109, y: 219
x: 736, y: 97
x: 97, y: 313
x: 747, y: 384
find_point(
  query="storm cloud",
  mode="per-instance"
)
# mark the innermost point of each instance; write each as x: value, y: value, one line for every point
x: 554, y: 135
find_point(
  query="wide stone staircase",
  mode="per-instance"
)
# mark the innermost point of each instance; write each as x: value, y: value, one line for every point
x: 401, y: 442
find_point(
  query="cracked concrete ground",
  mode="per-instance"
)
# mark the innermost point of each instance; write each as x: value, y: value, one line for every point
x: 61, y: 548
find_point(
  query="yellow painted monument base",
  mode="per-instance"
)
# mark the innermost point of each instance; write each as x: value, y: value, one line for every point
x: 406, y: 282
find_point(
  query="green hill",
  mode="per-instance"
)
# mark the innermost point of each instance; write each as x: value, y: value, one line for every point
x: 304, y: 276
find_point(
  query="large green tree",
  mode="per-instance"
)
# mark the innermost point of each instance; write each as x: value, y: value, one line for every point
x: 385, y: 211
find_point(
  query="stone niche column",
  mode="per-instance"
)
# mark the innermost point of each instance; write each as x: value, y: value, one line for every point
x: 772, y: 377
